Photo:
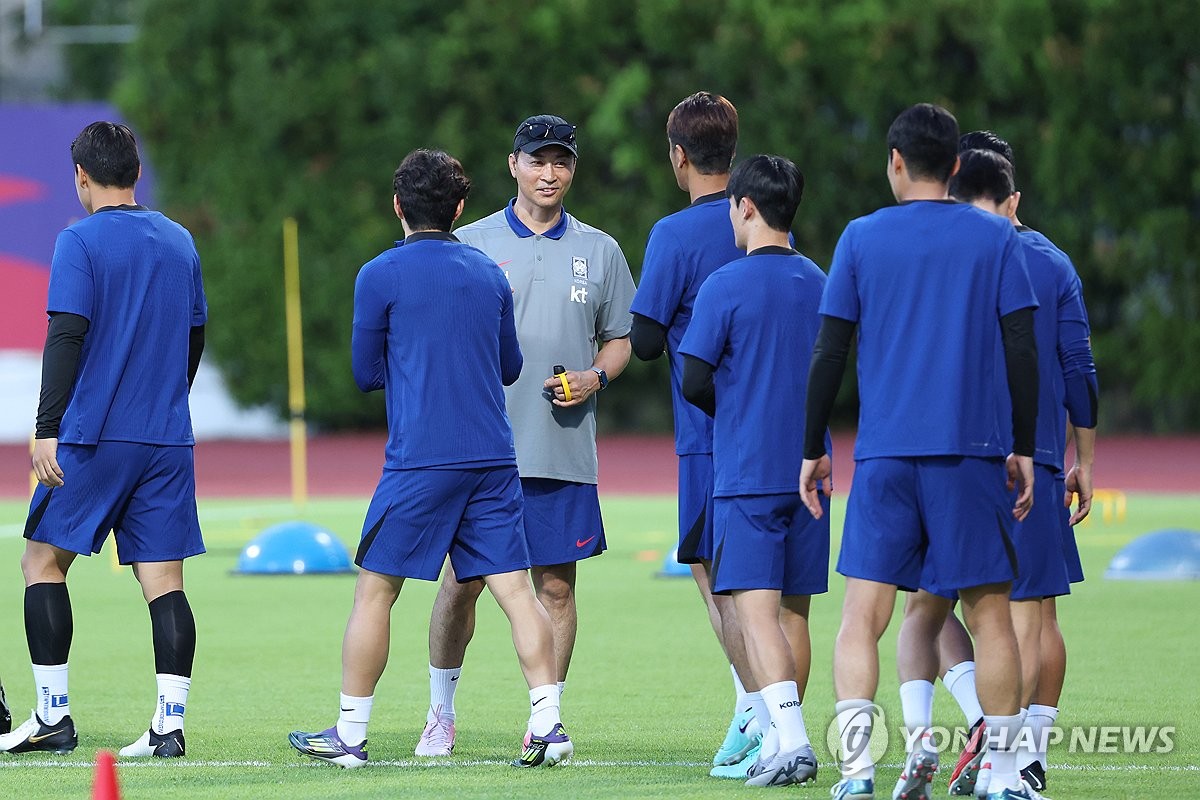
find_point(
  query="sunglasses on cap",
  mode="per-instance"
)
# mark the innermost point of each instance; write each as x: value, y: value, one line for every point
x: 544, y: 130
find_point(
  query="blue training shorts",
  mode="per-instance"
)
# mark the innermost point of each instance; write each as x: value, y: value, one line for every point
x: 769, y: 542
x: 144, y: 493
x: 562, y: 521
x: 418, y: 516
x: 1041, y: 557
x: 940, y: 521
x: 695, y: 508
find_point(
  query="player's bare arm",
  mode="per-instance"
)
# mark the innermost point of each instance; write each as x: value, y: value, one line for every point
x: 1079, y: 478
x: 1020, y: 478
x: 812, y: 471
x: 45, y: 462
x: 611, y: 359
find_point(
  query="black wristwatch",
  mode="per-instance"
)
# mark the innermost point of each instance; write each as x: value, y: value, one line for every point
x: 603, y: 377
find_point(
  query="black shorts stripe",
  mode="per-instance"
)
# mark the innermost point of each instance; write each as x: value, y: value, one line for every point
x: 35, y: 516
x: 1009, y: 549
x: 691, y: 541
x: 368, y: 540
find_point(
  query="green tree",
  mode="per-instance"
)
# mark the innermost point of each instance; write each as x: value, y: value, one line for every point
x: 262, y: 109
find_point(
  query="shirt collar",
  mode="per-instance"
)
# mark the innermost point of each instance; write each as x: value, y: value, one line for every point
x: 122, y: 207
x: 707, y: 198
x: 522, y: 230
x: 421, y: 236
x: 772, y: 250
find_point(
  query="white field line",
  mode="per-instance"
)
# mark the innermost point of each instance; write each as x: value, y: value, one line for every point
x: 441, y: 763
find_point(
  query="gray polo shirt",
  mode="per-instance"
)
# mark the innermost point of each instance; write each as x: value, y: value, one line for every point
x: 571, y: 291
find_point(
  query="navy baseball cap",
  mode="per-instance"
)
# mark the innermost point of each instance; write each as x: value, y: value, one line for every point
x: 544, y: 130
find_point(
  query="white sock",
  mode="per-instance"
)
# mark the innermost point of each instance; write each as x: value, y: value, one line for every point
x: 762, y: 715
x: 172, y: 702
x: 353, y: 718
x: 916, y: 701
x: 1003, y: 736
x: 739, y: 690
x: 1039, y: 720
x: 783, y: 700
x: 544, y: 704
x: 854, y: 727
x: 442, y: 683
x: 51, y: 684
x: 960, y: 680
x: 562, y: 688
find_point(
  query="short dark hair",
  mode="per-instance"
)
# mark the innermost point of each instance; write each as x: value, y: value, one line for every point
x: 108, y: 153
x: 927, y: 136
x: 705, y: 125
x: 982, y: 173
x: 775, y: 185
x: 987, y: 140
x: 429, y: 185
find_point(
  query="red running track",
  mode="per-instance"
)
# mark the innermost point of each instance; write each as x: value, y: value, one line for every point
x: 350, y: 465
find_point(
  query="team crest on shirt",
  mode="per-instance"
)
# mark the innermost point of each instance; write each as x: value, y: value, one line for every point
x: 579, y: 267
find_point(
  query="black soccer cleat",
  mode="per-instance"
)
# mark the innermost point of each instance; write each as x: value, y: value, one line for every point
x: 33, y: 735
x: 5, y: 713
x: 1035, y: 776
x: 166, y: 745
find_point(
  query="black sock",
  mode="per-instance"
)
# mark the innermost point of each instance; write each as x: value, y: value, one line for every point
x: 174, y: 634
x: 48, y: 623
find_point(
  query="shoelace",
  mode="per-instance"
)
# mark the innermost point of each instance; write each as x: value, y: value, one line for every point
x: 438, y: 732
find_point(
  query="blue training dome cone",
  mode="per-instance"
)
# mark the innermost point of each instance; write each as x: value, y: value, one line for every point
x: 1167, y: 555
x: 671, y: 567
x: 294, y: 548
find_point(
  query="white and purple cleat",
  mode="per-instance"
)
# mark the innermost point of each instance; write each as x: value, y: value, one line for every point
x: 327, y: 746
x: 546, y: 751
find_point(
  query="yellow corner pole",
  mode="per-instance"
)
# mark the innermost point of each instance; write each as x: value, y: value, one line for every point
x: 295, y: 347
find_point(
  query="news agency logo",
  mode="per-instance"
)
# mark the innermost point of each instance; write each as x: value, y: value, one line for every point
x: 866, y: 736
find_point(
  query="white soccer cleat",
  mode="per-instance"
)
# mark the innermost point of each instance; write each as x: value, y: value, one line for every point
x: 437, y: 740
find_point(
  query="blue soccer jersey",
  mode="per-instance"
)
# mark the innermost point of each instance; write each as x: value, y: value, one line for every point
x: 683, y: 250
x: 1061, y: 327
x: 927, y: 282
x: 756, y: 321
x: 433, y: 328
x: 135, y: 276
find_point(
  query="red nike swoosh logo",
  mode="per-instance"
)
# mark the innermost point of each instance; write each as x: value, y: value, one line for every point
x: 584, y: 542
x: 502, y: 263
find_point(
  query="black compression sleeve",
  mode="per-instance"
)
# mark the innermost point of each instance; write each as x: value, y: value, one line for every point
x: 60, y: 360
x: 647, y: 338
x: 698, y: 386
x: 824, y: 379
x: 1020, y: 359
x: 195, y: 348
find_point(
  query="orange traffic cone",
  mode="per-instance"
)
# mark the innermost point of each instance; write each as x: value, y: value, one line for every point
x: 105, y: 786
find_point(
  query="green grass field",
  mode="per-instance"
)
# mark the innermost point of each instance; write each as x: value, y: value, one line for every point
x: 647, y: 702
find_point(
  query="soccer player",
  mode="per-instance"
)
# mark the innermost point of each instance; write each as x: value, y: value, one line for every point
x: 929, y: 284
x: 449, y: 484
x: 684, y: 248
x: 1045, y: 544
x: 754, y: 321
x: 571, y: 289
x: 5, y: 714
x: 113, y: 446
